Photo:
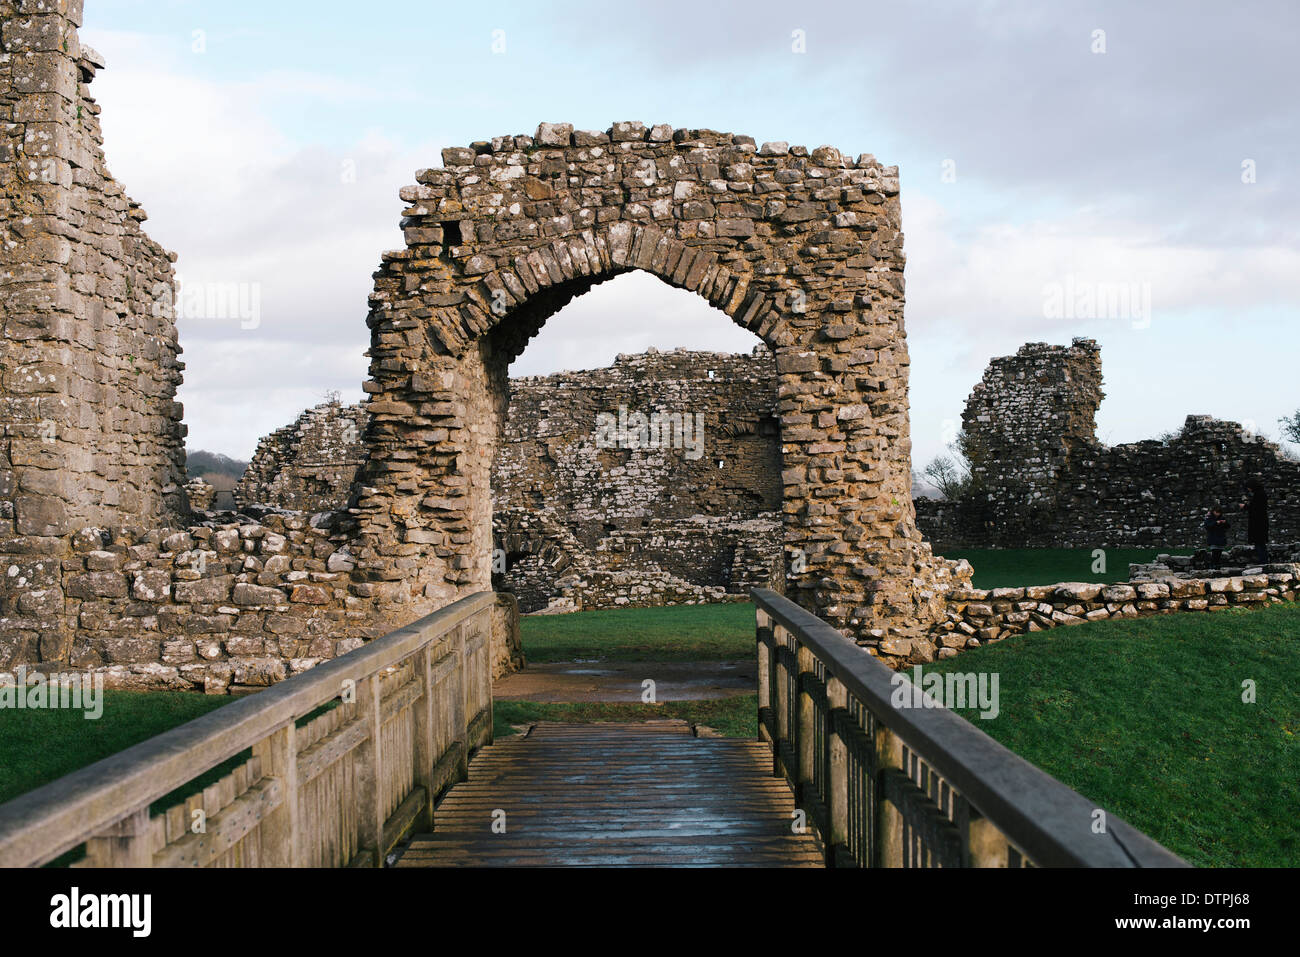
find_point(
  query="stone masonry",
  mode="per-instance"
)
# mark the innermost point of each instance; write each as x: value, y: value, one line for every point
x: 1171, y: 584
x: 308, y: 465
x: 1041, y: 478
x: 692, y: 520
x: 980, y: 616
x: 802, y: 247
x: 103, y: 562
x: 90, y: 432
x: 690, y: 517
x: 107, y: 566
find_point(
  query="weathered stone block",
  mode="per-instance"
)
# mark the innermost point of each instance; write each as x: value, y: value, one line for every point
x: 205, y: 590
x: 310, y: 595
x: 97, y: 585
x: 151, y: 585
x: 246, y: 594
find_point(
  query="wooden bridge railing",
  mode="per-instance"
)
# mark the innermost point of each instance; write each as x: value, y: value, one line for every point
x: 323, y: 788
x: 888, y: 786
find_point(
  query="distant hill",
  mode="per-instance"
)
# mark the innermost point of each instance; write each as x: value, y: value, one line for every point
x: 220, y: 471
x: 201, y: 463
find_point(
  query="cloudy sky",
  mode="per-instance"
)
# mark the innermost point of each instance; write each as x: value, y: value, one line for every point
x: 1046, y: 150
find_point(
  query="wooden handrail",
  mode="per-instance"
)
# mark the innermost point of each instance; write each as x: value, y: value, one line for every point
x: 424, y: 689
x: 930, y: 787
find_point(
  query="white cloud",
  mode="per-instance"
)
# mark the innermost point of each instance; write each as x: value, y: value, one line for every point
x: 302, y: 227
x: 629, y: 314
x: 243, y: 201
x: 976, y: 294
x: 999, y: 275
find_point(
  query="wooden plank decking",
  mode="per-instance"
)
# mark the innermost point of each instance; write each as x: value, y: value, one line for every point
x: 608, y: 795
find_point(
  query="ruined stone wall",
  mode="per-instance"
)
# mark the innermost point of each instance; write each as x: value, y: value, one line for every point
x: 99, y: 565
x: 1041, y: 478
x: 1028, y: 416
x: 688, y: 497
x: 230, y: 605
x: 690, y: 515
x: 90, y: 432
x: 979, y: 616
x: 308, y: 465
x: 803, y: 247
x: 227, y: 606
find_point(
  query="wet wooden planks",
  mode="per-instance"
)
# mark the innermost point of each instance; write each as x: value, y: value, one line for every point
x: 617, y: 795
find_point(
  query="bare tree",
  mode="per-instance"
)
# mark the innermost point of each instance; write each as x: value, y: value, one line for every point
x: 1291, y: 427
x: 954, y: 475
x: 949, y: 477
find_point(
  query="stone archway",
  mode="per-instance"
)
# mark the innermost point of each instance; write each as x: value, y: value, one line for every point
x: 802, y: 248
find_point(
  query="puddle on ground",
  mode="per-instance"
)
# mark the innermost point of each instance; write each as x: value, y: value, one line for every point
x: 561, y: 681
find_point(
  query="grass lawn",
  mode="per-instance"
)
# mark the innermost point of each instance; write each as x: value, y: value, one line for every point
x: 1146, y: 718
x: 1012, y: 567
x: 734, y: 717
x: 679, y: 633
x: 676, y: 633
x: 38, y: 746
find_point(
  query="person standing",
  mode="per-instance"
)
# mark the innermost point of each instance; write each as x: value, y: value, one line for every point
x: 1256, y: 509
x: 1216, y: 534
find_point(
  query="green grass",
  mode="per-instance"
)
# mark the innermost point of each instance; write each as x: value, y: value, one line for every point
x: 1012, y: 567
x: 680, y: 633
x: 677, y: 633
x: 734, y: 717
x: 38, y: 746
x: 1145, y: 717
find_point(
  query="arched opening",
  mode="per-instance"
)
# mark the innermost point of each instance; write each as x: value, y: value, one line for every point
x: 638, y: 479
x: 802, y: 248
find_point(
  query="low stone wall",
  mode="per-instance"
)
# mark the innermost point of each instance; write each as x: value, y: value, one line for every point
x: 980, y: 616
x: 633, y: 589
x: 225, y: 607
x: 1237, y: 560
x: 229, y: 606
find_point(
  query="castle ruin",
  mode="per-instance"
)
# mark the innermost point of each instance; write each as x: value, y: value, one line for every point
x: 1040, y: 477
x: 687, y: 516
x: 308, y: 465
x: 106, y: 567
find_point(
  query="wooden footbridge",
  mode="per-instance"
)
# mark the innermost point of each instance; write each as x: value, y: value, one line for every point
x: 617, y: 795
x: 385, y: 756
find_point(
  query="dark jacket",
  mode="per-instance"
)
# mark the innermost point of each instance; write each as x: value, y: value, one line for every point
x: 1257, y: 518
x: 1216, y: 529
